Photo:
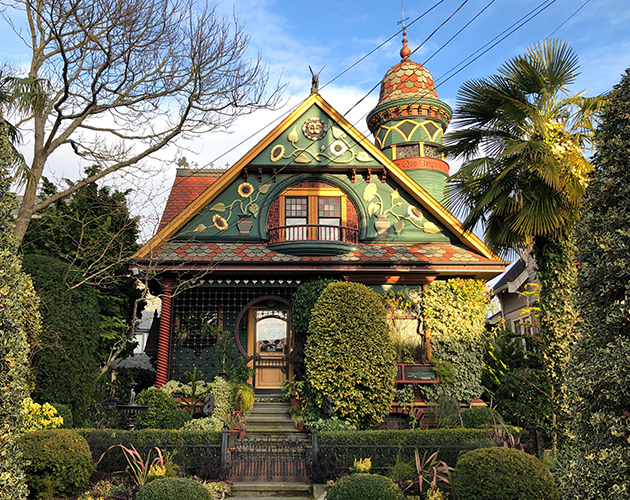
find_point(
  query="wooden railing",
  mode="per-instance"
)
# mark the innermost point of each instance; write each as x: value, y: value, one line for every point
x: 313, y: 232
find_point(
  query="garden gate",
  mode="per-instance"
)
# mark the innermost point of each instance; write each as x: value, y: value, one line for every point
x: 267, y: 458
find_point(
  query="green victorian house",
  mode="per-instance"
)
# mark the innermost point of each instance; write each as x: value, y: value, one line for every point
x: 314, y: 198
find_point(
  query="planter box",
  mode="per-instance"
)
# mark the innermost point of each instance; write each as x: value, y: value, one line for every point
x: 415, y: 374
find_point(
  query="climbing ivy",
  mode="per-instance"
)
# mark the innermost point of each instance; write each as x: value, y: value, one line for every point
x: 598, y: 377
x: 454, y: 313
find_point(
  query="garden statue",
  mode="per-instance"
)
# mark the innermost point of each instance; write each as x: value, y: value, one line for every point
x: 327, y: 407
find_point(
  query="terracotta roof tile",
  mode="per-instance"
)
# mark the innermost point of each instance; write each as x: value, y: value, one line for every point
x: 234, y: 253
x: 188, y: 185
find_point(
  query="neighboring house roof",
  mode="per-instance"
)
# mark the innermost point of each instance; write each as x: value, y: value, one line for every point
x: 188, y: 185
x: 517, y: 275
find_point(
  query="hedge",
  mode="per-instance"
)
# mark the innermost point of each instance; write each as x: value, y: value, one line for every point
x: 192, y: 447
x: 383, y: 446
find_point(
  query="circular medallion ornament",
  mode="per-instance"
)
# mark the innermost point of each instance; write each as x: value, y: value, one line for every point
x: 314, y: 129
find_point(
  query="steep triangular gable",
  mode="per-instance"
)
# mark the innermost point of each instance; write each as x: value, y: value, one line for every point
x: 281, y: 146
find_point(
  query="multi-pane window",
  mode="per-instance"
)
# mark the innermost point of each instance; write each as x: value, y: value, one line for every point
x: 329, y: 214
x: 296, y: 214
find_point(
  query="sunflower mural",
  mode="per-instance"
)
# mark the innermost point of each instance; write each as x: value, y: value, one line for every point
x: 376, y: 208
x: 247, y: 202
x: 340, y: 151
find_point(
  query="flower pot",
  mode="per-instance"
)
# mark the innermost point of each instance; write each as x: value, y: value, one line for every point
x: 382, y: 225
x: 244, y: 224
x: 294, y: 401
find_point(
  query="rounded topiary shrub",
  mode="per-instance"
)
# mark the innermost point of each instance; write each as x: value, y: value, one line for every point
x: 160, y: 405
x: 478, y: 416
x: 365, y: 487
x: 176, y: 419
x: 60, y: 460
x: 174, y: 488
x: 349, y: 353
x: 501, y: 473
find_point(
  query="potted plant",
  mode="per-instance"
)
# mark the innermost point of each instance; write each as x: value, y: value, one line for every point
x: 235, y: 422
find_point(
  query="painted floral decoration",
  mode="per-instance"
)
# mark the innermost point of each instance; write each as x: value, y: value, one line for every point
x: 377, y: 207
x: 338, y: 148
x: 245, y: 190
x: 341, y: 152
x: 219, y: 222
x: 414, y: 213
x: 277, y: 153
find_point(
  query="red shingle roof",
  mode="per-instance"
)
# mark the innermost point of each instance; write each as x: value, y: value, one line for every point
x: 188, y: 185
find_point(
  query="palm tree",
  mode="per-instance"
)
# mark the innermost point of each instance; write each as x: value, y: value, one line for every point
x: 21, y: 96
x: 522, y: 137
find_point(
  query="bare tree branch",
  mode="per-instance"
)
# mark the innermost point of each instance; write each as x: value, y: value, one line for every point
x: 129, y: 77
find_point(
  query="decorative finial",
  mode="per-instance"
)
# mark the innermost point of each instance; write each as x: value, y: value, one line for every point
x: 315, y: 80
x: 405, y: 52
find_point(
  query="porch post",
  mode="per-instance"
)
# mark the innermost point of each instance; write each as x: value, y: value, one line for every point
x: 164, y: 339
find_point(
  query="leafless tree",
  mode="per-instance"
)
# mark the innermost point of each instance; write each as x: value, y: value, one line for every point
x: 129, y: 77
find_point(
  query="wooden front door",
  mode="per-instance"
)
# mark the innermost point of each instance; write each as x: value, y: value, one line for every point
x: 270, y: 333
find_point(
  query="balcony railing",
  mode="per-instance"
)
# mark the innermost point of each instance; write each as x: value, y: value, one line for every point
x: 313, y: 232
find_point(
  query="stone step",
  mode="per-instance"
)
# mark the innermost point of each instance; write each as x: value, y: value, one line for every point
x: 270, y: 490
x: 269, y: 417
x: 263, y: 405
x: 271, y: 428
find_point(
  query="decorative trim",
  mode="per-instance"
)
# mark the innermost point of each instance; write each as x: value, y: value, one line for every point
x: 397, y: 175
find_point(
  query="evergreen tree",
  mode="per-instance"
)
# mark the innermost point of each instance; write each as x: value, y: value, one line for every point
x: 19, y: 322
x: 93, y: 231
x: 65, y: 357
x: 599, y: 373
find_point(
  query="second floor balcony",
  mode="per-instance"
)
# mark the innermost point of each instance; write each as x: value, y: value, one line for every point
x: 313, y: 239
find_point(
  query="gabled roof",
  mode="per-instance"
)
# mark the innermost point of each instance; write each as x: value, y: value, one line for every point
x: 467, y: 238
x: 187, y: 187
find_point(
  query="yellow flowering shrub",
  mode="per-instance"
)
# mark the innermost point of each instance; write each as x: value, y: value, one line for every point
x: 39, y: 417
x: 362, y: 465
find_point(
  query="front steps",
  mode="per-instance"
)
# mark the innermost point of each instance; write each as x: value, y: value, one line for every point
x: 272, y: 419
x: 259, y: 490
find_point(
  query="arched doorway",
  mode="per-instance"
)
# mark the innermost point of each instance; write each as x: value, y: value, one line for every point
x: 267, y: 321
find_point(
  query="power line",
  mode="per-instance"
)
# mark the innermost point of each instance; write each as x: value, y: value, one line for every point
x: 568, y: 19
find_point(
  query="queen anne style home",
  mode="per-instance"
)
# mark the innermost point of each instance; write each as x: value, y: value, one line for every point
x: 314, y: 198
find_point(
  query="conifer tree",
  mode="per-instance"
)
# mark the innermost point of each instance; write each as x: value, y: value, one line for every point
x: 19, y: 322
x: 599, y: 374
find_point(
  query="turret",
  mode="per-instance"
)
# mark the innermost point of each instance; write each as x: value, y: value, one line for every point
x: 409, y: 122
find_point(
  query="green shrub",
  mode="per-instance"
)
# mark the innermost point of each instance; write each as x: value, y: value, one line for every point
x: 365, y: 487
x: 244, y: 397
x: 160, y: 405
x: 60, y: 460
x: 349, y: 354
x: 65, y: 412
x: 478, y: 416
x: 19, y: 323
x: 174, y: 488
x: 185, y: 442
x: 176, y: 419
x: 351, y: 445
x: 69, y: 342
x: 302, y: 304
x: 502, y: 473
x: 522, y: 398
x: 204, y: 424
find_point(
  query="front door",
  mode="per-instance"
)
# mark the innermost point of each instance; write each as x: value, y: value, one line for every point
x: 271, y: 327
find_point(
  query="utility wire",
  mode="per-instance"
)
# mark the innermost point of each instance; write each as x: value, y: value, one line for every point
x: 568, y: 19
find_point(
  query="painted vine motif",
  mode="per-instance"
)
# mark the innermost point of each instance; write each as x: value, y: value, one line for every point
x: 377, y: 208
x: 339, y: 151
x: 246, y: 202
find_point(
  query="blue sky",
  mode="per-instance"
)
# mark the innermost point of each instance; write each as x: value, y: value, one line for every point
x: 291, y: 35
